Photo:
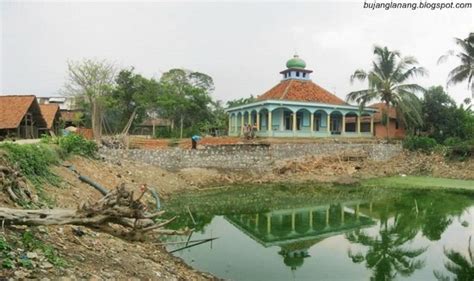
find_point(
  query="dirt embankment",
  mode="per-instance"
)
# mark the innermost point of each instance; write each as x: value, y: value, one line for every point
x: 91, y: 255
x: 339, y: 169
x: 95, y: 256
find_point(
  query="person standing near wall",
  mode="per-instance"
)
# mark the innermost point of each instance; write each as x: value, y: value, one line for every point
x: 194, y: 140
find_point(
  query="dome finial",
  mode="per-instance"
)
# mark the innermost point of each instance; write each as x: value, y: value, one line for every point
x: 295, y: 62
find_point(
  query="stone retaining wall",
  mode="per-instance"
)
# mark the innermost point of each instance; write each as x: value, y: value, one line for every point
x: 246, y: 156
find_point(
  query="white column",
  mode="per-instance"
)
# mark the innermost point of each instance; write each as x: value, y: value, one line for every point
x: 269, y: 121
x: 372, y: 124
x: 343, y: 124
x: 294, y: 122
x: 312, y: 122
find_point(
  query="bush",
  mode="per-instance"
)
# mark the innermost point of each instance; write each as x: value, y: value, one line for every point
x: 424, y: 144
x: 77, y: 144
x: 34, y: 160
x: 451, y: 141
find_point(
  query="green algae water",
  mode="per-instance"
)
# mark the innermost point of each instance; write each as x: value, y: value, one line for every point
x: 325, y: 233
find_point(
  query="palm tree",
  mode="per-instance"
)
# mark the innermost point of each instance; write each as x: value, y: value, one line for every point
x: 459, y: 265
x: 464, y: 71
x: 388, y: 82
x: 387, y: 253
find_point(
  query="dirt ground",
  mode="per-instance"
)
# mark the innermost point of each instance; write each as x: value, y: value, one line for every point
x: 99, y: 256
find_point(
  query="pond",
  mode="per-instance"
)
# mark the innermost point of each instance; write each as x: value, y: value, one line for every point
x: 323, y: 233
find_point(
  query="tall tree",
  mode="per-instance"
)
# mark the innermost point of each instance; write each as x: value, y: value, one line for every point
x: 186, y: 95
x: 464, y: 71
x: 91, y: 80
x: 132, y: 93
x: 437, y: 106
x: 388, y: 81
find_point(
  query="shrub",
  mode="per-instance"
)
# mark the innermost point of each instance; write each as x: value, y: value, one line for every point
x: 34, y: 160
x: 460, y: 151
x: 77, y: 144
x: 424, y: 144
x: 452, y: 141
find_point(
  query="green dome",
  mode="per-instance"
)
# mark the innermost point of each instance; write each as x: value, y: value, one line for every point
x: 295, y: 62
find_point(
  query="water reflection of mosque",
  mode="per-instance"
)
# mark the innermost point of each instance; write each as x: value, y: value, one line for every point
x: 296, y: 230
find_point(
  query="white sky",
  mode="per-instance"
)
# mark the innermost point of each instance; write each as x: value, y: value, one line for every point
x: 242, y: 45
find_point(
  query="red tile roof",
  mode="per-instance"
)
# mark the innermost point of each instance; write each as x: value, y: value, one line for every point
x: 14, y: 108
x: 381, y: 107
x: 298, y: 90
x: 69, y: 115
x: 49, y: 112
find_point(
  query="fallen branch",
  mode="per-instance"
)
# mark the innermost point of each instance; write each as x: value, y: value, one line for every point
x: 117, y: 213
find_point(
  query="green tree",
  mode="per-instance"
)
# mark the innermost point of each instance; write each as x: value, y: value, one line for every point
x: 132, y: 93
x: 186, y: 97
x: 218, y: 119
x: 241, y: 101
x: 465, y: 70
x: 388, y: 81
x: 91, y: 80
x: 443, y: 119
x: 437, y: 107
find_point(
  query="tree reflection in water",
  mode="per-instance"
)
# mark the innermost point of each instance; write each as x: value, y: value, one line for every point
x: 387, y: 254
x: 462, y: 267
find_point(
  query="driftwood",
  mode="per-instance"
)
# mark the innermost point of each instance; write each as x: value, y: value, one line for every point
x: 117, y: 213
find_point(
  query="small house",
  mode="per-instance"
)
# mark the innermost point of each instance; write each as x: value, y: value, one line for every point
x: 52, y: 116
x: 20, y: 117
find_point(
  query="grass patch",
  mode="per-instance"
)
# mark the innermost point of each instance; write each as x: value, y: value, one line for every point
x: 31, y: 243
x: 419, y: 182
x: 10, y: 258
x: 34, y: 160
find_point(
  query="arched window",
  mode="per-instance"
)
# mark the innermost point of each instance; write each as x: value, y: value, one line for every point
x: 297, y: 74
